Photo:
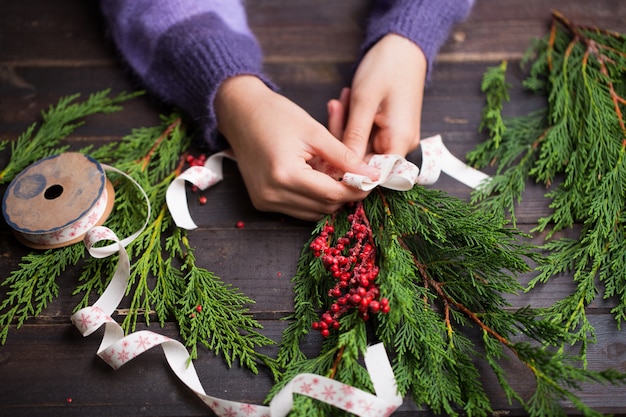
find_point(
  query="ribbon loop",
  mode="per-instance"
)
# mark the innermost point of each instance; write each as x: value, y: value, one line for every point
x: 396, y: 173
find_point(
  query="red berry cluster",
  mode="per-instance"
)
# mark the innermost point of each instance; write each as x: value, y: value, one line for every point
x: 196, y: 161
x: 352, y: 263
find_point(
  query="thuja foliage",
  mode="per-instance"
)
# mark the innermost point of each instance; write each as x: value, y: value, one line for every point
x: 576, y: 146
x: 41, y: 140
x: 447, y: 270
x: 165, y: 281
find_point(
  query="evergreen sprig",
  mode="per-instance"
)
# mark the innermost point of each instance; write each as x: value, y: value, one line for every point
x: 58, y: 122
x: 214, y: 314
x: 447, y: 270
x: 496, y: 90
x: 165, y: 281
x: 576, y: 147
x: 30, y: 288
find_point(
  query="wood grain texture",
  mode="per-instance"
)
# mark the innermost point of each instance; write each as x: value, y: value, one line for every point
x: 54, y: 49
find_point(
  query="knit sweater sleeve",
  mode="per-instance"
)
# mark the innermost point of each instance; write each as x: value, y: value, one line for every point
x: 182, y: 50
x: 425, y: 22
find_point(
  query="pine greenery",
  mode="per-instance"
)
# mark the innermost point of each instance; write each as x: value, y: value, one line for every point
x: 447, y: 270
x: 165, y: 281
x: 576, y: 147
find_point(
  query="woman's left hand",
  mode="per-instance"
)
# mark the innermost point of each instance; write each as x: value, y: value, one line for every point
x: 385, y: 100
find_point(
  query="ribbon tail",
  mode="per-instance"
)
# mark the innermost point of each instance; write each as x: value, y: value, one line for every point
x: 437, y: 158
x: 202, y: 177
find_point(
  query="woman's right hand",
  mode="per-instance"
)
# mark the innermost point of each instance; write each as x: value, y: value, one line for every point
x: 273, y: 140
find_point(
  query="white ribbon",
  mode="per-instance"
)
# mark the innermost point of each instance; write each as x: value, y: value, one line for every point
x: 116, y: 349
x: 114, y: 293
x: 73, y: 231
x: 396, y: 173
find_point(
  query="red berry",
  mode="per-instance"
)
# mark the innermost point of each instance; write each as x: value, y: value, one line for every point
x: 198, y: 308
x: 325, y: 332
x: 240, y: 224
x: 202, y: 200
x: 355, y: 299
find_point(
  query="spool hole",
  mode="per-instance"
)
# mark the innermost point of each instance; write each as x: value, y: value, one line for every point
x: 52, y: 192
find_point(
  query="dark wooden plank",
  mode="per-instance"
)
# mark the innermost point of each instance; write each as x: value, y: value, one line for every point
x: 40, y: 31
x: 294, y: 30
x: 31, y: 90
x: 146, y: 386
x: 502, y: 30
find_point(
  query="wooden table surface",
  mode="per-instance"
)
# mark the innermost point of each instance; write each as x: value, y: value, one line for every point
x: 50, y: 49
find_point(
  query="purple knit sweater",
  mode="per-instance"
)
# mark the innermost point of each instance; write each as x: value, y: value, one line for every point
x: 183, y: 50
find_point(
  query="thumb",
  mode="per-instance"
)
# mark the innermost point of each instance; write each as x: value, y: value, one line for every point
x: 343, y: 158
x: 359, y: 125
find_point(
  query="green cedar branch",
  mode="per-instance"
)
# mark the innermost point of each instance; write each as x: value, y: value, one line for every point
x: 448, y: 270
x: 576, y: 147
x: 58, y: 122
x: 496, y: 91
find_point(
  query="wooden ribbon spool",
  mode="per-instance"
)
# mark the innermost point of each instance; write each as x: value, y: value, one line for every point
x: 56, y: 200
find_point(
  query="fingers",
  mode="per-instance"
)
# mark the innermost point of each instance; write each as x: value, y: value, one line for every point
x: 343, y: 158
x: 304, y: 193
x: 359, y: 124
x: 338, y: 112
x: 336, y: 118
x: 397, y: 132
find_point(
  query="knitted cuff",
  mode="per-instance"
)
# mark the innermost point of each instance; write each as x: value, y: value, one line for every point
x: 192, y: 59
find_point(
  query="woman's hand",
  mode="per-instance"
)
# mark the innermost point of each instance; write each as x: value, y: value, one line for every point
x: 385, y: 103
x: 273, y: 139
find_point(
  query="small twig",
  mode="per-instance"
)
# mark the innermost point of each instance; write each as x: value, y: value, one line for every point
x: 146, y: 159
x: 447, y: 299
x: 333, y: 370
